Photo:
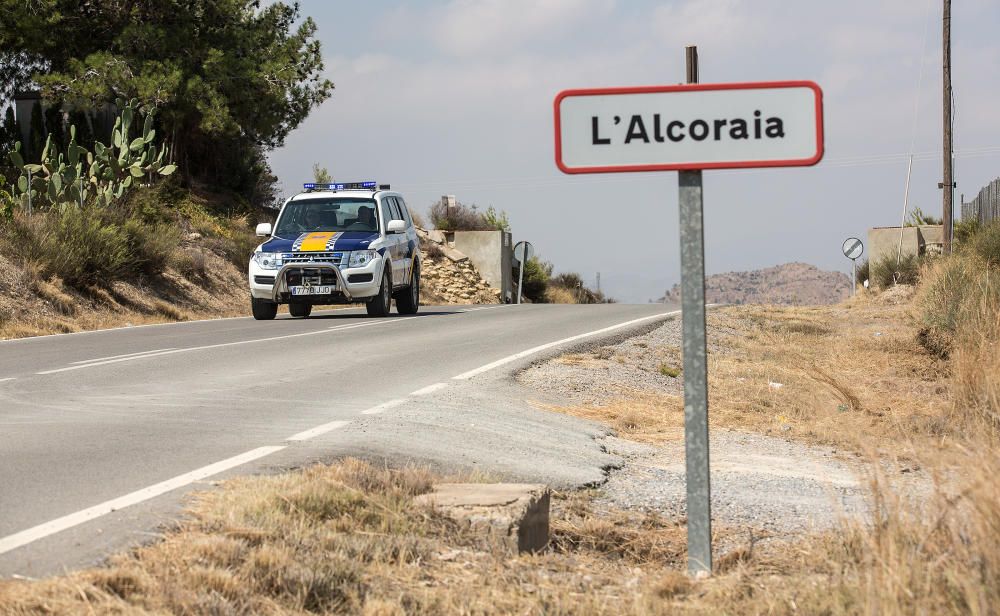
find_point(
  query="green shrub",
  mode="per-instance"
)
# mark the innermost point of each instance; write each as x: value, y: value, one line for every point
x: 459, y: 218
x: 964, y: 230
x: 236, y: 245
x: 886, y: 272
x: 536, y: 278
x: 985, y: 243
x: 151, y: 245
x: 78, y: 246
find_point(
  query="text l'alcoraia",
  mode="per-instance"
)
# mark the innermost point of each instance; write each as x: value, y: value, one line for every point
x: 638, y: 129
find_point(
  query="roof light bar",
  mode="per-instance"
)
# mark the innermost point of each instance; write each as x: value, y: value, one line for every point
x: 335, y: 186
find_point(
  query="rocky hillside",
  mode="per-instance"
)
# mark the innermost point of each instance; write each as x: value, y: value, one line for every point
x: 788, y: 284
x: 448, y: 277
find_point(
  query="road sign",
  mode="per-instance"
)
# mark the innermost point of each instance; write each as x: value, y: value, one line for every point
x: 853, y: 248
x: 523, y: 251
x: 693, y: 126
x: 519, y: 251
x: 689, y: 128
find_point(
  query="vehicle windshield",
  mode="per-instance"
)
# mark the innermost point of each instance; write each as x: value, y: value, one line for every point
x: 327, y: 214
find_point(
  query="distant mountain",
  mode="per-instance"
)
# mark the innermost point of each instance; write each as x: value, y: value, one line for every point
x: 790, y: 284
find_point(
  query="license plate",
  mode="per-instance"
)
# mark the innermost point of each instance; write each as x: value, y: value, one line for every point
x: 323, y: 290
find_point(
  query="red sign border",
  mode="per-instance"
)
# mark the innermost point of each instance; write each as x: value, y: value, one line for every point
x: 694, y: 87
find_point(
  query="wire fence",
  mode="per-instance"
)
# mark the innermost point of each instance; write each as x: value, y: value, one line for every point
x: 986, y: 206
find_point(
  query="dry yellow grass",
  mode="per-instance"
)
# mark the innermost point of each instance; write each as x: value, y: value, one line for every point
x: 852, y: 375
x: 560, y: 295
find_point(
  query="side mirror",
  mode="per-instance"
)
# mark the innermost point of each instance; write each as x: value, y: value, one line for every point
x: 396, y: 226
x: 264, y: 229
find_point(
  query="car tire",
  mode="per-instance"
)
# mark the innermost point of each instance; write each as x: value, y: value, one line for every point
x: 262, y: 309
x: 381, y: 304
x: 408, y: 301
x: 300, y: 310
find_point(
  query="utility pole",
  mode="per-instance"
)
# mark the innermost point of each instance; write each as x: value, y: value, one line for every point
x: 948, y: 185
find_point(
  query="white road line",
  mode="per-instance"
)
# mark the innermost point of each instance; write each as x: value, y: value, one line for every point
x: 210, y: 346
x: 308, y: 434
x: 10, y: 378
x: 488, y: 308
x: 533, y: 350
x: 423, y: 391
x: 375, y: 410
x: 87, y: 361
x: 12, y: 542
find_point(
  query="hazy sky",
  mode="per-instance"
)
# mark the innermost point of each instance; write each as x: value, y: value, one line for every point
x: 456, y: 98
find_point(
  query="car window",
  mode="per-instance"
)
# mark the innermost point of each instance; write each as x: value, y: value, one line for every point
x: 327, y: 214
x: 405, y: 211
x: 387, y: 209
x: 394, y: 205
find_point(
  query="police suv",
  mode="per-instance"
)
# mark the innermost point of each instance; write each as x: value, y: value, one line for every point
x: 337, y: 244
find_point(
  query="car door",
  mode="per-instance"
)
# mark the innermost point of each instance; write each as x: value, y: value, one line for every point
x: 410, y: 242
x: 393, y: 241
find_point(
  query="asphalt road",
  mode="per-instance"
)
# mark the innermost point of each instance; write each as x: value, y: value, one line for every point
x: 103, y: 433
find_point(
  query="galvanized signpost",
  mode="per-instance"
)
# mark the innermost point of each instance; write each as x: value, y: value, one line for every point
x: 852, y: 250
x: 523, y: 251
x: 688, y: 128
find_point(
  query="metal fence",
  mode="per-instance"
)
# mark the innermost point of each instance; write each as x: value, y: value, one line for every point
x: 986, y: 206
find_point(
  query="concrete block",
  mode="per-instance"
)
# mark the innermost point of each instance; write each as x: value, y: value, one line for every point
x: 453, y: 255
x: 492, y: 253
x: 513, y: 517
x: 884, y: 242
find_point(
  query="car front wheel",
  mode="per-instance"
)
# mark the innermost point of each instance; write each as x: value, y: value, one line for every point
x: 408, y: 302
x: 300, y: 310
x: 381, y: 304
x: 262, y: 309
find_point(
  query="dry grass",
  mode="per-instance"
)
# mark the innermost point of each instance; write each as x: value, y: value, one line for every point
x: 852, y: 375
x: 346, y: 539
x: 560, y: 295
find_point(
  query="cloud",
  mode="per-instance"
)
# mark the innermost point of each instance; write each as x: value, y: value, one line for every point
x: 491, y: 27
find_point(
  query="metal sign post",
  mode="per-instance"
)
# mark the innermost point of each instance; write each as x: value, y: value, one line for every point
x: 852, y: 250
x: 699, y: 505
x: 689, y: 128
x: 522, y: 252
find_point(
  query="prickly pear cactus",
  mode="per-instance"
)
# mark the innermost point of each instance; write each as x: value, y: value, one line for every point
x: 79, y: 176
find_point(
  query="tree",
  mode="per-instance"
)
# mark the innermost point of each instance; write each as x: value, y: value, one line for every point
x: 496, y: 220
x: 8, y: 133
x: 229, y: 78
x: 321, y: 175
x: 536, y: 278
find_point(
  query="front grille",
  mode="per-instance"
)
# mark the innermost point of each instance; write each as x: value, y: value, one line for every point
x: 336, y: 258
x: 264, y: 279
x: 299, y: 276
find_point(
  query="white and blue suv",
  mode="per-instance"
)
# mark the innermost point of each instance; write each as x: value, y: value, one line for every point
x: 337, y: 244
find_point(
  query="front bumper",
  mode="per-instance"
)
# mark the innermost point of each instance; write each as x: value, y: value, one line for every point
x: 273, y: 284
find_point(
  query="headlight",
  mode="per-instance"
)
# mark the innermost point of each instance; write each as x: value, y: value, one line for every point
x: 268, y: 260
x: 361, y: 258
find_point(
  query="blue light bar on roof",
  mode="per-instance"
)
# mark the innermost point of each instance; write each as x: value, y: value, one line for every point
x: 341, y: 186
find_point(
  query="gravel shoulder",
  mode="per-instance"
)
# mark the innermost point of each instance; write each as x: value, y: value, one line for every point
x: 773, y: 486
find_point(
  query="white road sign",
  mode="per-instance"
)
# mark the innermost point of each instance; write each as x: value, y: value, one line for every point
x: 521, y: 248
x: 695, y: 126
x: 853, y: 248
